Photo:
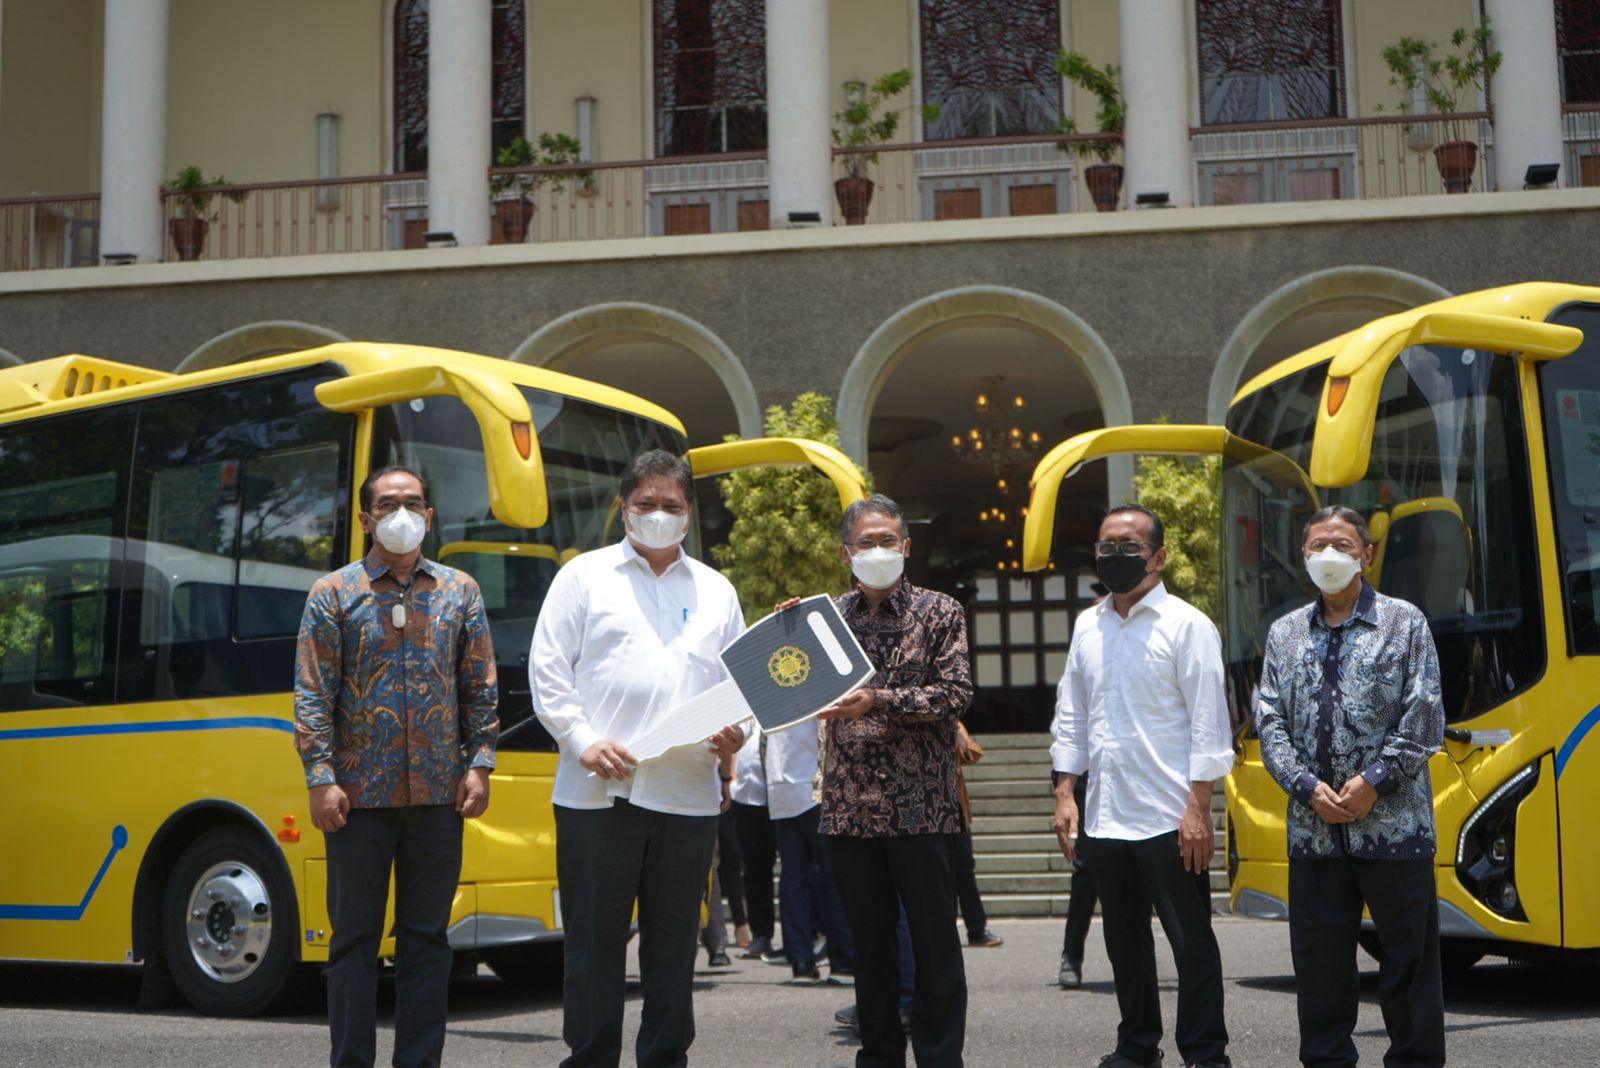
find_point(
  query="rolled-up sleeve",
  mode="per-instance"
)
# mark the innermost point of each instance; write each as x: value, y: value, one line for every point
x: 1069, y: 748
x: 1200, y: 678
x: 477, y: 687
x: 552, y: 665
x: 317, y: 670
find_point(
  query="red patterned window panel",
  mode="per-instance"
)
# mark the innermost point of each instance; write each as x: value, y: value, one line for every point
x: 711, y: 76
x: 1578, y: 46
x: 508, y: 87
x: 989, y: 66
x: 1270, y: 60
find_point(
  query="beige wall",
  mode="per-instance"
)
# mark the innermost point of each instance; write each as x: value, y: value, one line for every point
x: 1090, y: 27
x: 1373, y: 25
x: 869, y: 38
x: 591, y: 48
x: 50, y: 97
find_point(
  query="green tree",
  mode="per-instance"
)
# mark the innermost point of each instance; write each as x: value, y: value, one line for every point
x: 1186, y: 492
x: 785, y: 536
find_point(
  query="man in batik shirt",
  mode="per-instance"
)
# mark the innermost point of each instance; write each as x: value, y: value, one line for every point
x: 394, y: 708
x: 1349, y: 712
x: 891, y: 810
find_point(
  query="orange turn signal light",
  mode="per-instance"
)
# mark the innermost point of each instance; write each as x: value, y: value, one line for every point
x: 1337, y: 388
x: 289, y: 834
x: 522, y: 437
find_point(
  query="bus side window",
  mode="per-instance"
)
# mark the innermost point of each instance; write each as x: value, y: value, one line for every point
x: 1570, y: 393
x: 63, y: 495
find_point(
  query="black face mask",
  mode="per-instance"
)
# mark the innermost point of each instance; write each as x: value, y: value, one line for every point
x: 1119, y: 573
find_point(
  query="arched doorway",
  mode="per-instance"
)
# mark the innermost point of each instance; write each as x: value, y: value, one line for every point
x: 256, y: 340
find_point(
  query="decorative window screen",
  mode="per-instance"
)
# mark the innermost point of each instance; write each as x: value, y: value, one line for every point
x: 989, y: 66
x: 710, y: 76
x: 1270, y: 60
x: 508, y: 93
x: 1578, y: 48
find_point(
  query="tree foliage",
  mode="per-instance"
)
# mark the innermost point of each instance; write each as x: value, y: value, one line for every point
x: 785, y: 536
x: 1186, y: 492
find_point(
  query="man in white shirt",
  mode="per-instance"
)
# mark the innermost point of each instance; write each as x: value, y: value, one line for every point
x: 1142, y: 708
x: 625, y: 634
x: 791, y: 764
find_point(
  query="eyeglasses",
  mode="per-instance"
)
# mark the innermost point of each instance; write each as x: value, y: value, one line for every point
x: 888, y: 541
x: 390, y: 506
x: 1121, y: 548
x: 1342, y: 545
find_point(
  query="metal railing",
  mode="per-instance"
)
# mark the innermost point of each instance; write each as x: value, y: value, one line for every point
x: 1580, y: 133
x: 39, y: 233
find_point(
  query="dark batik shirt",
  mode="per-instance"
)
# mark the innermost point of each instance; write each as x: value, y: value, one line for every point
x: 893, y: 771
x: 1360, y: 698
x: 394, y: 716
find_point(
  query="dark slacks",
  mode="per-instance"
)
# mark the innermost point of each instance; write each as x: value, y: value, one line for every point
x: 1325, y: 899
x: 806, y: 889
x: 876, y: 876
x: 605, y: 858
x: 1133, y: 876
x: 423, y: 845
x: 758, y: 852
x: 1080, y: 902
x: 967, y: 895
x: 730, y: 866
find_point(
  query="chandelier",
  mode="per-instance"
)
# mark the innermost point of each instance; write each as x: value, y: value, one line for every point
x: 993, y: 439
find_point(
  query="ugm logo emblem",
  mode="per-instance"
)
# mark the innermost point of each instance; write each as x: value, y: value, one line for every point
x: 789, y: 666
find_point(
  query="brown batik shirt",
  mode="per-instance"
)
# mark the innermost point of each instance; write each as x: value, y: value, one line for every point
x: 893, y: 771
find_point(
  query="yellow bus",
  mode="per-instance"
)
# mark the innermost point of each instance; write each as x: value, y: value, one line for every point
x: 1468, y: 431
x: 158, y: 534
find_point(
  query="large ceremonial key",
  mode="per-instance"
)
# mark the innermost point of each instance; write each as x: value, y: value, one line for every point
x: 785, y: 669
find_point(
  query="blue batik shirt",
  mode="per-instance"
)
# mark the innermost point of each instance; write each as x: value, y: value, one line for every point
x: 1360, y: 698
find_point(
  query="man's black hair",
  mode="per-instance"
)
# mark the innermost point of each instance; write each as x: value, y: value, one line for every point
x: 396, y: 469
x: 877, y: 504
x: 1158, y: 532
x: 654, y: 463
x: 1337, y: 511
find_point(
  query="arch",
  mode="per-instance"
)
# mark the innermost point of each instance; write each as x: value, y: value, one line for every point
x: 1334, y: 283
x: 258, y: 339
x: 888, y: 344
x: 9, y: 359
x: 564, y: 340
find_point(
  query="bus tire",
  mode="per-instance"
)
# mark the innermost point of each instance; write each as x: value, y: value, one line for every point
x: 530, y: 964
x: 228, y: 924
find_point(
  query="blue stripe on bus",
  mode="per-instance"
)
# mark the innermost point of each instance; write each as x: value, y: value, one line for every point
x: 156, y: 727
x: 70, y: 913
x: 1585, y: 725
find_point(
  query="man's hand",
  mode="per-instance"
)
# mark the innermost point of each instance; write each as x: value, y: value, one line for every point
x: 852, y: 705
x: 608, y: 760
x: 330, y: 808
x: 727, y: 741
x: 783, y: 606
x: 1197, y: 843
x: 1065, y: 822
x: 1328, y: 805
x: 1358, y: 796
x: 472, y: 793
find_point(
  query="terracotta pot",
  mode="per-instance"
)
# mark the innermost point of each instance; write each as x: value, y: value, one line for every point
x: 1105, y: 185
x: 514, y: 213
x: 854, y: 195
x: 1456, y: 160
x: 188, y: 236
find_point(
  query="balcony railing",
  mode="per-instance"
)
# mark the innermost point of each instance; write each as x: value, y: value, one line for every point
x: 45, y: 232
x: 1581, y: 134
x: 1336, y: 159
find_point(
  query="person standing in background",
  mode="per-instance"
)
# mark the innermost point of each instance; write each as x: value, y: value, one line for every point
x: 967, y: 896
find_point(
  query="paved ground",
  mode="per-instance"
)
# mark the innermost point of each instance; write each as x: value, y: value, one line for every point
x: 1498, y: 1015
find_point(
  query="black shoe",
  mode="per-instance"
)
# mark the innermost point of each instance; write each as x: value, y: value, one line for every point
x: 847, y: 1016
x: 806, y: 975
x: 756, y: 948
x: 841, y: 977
x: 1071, y: 975
x: 1116, y: 1060
x: 777, y: 957
x: 1210, y: 1064
x: 985, y: 939
x: 719, y: 960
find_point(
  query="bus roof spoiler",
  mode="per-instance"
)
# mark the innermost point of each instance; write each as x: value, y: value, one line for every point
x: 711, y: 460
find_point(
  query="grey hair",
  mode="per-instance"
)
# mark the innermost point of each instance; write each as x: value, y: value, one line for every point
x: 877, y: 504
x: 1340, y: 512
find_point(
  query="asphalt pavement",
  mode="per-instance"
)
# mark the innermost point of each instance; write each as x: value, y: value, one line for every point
x: 1498, y: 1014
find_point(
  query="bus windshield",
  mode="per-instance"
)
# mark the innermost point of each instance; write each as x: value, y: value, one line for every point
x: 1447, y: 498
x: 585, y: 448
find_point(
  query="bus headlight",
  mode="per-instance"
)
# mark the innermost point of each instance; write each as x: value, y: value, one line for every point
x: 1486, y: 849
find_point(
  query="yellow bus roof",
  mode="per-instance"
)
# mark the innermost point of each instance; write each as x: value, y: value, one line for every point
x: 75, y: 381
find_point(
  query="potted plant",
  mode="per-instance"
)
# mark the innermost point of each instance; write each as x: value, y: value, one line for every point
x: 860, y: 124
x: 193, y: 201
x: 513, y: 194
x: 1104, y: 178
x: 1442, y: 81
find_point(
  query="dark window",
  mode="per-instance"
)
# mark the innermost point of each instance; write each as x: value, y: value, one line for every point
x: 508, y: 94
x: 1578, y: 49
x: 989, y: 66
x: 63, y: 499
x: 1570, y: 392
x: 1270, y: 60
x: 711, y: 76
x: 235, y: 512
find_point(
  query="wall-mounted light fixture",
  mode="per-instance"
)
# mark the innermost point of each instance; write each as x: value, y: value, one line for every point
x: 119, y: 259
x: 1540, y: 175
x: 440, y: 239
x: 328, y: 159
x: 1157, y: 199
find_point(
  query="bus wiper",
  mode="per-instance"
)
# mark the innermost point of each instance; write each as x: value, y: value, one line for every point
x: 531, y: 717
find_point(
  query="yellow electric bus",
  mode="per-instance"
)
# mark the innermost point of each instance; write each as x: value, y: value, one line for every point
x: 158, y: 534
x: 1468, y: 431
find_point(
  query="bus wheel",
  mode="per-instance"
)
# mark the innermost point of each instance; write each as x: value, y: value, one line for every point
x: 536, y: 964
x: 228, y: 924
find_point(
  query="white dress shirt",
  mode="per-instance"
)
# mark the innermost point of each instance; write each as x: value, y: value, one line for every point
x: 791, y: 770
x: 1142, y: 707
x: 749, y: 785
x: 617, y: 644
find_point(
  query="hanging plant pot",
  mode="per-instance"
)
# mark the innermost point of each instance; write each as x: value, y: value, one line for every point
x: 188, y: 236
x: 1456, y: 160
x: 854, y: 194
x: 1105, y: 185
x: 515, y: 215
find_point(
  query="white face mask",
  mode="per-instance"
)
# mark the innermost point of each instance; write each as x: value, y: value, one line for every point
x: 878, y: 568
x: 658, y: 530
x: 400, y: 531
x: 1331, y: 569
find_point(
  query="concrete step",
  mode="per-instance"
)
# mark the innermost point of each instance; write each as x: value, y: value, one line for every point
x: 1020, y: 863
x: 984, y: 807
x: 1029, y: 787
x: 1015, y: 843
x: 1036, y: 740
x: 1021, y: 771
x: 1056, y: 904
x: 1030, y: 823
x: 1054, y: 882
x: 1021, y: 755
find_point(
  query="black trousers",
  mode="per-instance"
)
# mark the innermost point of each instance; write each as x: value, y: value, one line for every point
x: 1325, y: 899
x: 1081, y: 894
x: 967, y: 896
x: 423, y: 845
x: 605, y: 858
x: 875, y: 877
x: 758, y: 851
x: 1131, y: 878
x: 730, y: 866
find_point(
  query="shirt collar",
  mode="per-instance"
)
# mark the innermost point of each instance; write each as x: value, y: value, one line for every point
x: 1154, y: 599
x: 898, y: 603
x: 375, y: 567
x: 1366, y: 608
x: 632, y: 555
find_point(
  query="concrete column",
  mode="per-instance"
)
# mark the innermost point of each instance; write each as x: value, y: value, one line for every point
x: 1527, y: 90
x: 799, y: 122
x: 133, y: 138
x: 1155, y: 85
x: 459, y: 66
